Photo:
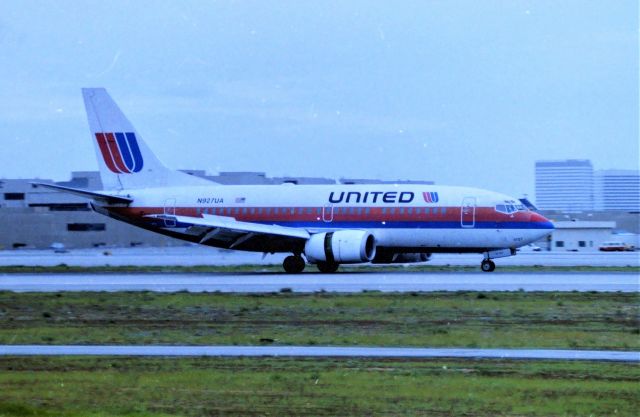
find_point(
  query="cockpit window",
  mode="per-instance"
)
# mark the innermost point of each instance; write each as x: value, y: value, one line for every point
x: 509, y: 207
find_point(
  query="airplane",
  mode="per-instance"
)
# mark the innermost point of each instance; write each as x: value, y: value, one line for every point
x: 325, y: 225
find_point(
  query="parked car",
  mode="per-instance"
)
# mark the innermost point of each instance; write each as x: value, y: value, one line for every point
x: 615, y: 246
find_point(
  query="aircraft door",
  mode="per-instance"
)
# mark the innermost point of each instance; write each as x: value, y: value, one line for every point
x: 327, y: 214
x: 170, y: 210
x: 468, y: 212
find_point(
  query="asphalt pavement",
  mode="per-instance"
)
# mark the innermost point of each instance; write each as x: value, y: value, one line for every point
x: 340, y: 282
x: 202, y: 255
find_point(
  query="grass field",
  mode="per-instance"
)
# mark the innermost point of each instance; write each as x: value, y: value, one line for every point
x: 446, y: 319
x: 91, y: 386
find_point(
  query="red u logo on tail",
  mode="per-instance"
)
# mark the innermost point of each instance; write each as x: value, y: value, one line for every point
x: 120, y: 151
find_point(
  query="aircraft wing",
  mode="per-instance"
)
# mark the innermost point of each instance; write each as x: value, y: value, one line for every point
x: 236, y: 234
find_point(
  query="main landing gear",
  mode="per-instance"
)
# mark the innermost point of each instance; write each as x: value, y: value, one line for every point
x: 328, y: 267
x: 488, y: 265
x: 293, y: 264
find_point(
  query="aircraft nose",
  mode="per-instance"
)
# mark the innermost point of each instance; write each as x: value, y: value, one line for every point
x: 545, y: 225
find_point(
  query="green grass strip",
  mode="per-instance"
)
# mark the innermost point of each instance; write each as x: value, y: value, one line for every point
x: 107, y: 387
x: 561, y: 320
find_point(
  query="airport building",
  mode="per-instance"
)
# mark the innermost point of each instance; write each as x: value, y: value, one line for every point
x: 564, y: 185
x: 617, y: 190
x: 580, y: 236
x: 573, y: 186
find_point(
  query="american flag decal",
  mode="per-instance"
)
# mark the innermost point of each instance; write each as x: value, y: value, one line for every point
x: 430, y: 197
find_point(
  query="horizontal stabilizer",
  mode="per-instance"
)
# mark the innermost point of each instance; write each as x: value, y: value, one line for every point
x: 101, y: 197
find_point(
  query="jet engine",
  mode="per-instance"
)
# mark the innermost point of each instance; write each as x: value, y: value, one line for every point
x: 343, y: 246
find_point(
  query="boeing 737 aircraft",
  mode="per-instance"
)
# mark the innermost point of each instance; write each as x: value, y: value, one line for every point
x: 325, y: 225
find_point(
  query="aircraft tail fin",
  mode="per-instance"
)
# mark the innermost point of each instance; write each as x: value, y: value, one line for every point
x: 125, y: 160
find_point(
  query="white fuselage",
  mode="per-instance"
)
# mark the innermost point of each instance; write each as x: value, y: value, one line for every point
x: 406, y: 217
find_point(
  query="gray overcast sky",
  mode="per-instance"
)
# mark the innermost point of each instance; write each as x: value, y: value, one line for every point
x: 460, y: 92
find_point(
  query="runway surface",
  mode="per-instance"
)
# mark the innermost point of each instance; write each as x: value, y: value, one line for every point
x: 320, y: 351
x: 201, y: 255
x: 342, y: 282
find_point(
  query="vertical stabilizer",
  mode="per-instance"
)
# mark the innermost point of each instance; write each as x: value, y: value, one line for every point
x: 125, y: 160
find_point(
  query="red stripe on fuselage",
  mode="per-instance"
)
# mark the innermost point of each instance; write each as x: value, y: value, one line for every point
x: 106, y: 153
x: 375, y: 214
x: 115, y: 151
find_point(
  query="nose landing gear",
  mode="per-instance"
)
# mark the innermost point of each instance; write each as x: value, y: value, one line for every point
x: 488, y: 265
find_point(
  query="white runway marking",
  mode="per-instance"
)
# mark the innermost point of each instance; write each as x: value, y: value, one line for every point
x: 342, y: 282
x: 319, y: 351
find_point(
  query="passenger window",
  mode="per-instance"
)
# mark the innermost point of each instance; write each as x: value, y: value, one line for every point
x: 444, y: 210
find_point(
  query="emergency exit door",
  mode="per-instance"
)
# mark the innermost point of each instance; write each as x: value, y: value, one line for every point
x: 468, y: 212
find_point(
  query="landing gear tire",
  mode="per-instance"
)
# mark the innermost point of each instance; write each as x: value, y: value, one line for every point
x: 327, y: 267
x: 488, y: 265
x: 293, y: 264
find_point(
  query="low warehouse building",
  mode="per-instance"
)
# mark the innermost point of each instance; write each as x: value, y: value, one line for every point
x: 583, y: 236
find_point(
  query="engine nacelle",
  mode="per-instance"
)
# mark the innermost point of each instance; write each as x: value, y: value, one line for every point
x: 343, y: 246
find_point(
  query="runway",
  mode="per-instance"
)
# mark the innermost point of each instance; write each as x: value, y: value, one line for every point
x: 319, y: 351
x: 307, y: 283
x: 201, y: 255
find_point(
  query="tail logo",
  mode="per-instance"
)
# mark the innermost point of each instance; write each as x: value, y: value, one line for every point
x: 120, y: 151
x: 430, y: 197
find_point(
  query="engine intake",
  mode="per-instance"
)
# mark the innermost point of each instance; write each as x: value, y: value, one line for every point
x: 343, y: 246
